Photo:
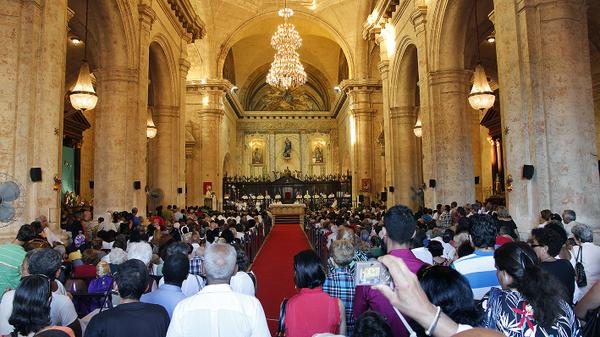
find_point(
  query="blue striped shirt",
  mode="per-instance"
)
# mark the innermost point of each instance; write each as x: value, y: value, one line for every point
x: 480, y: 270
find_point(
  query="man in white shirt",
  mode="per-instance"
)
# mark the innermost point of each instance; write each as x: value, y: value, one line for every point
x: 569, y: 222
x: 217, y: 310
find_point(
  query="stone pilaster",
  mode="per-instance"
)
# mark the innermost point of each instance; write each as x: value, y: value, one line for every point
x: 384, y: 70
x: 402, y: 121
x: 184, y: 67
x: 116, y: 165
x: 547, y: 108
x: 449, y: 140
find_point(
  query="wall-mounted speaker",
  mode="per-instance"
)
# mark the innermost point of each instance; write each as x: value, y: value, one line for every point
x: 477, y: 180
x: 179, y: 190
x: 528, y: 171
x: 432, y: 183
x: 137, y: 185
x: 91, y: 184
x: 391, y: 189
x: 361, y: 198
x: 35, y: 173
x: 383, y: 196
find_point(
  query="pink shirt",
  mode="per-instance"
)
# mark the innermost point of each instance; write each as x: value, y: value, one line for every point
x: 312, y: 311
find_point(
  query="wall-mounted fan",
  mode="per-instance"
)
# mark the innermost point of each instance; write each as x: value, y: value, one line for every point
x: 157, y: 195
x: 11, y: 200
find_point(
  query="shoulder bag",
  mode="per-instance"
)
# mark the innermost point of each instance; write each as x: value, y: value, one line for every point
x: 592, y: 327
x: 580, y: 277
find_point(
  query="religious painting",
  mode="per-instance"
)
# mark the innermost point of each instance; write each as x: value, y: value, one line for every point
x: 207, y: 188
x: 365, y: 185
x: 318, y: 155
x: 287, y: 149
x: 257, y: 156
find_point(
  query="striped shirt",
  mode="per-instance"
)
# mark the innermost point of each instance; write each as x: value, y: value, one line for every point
x: 11, y: 257
x: 480, y: 270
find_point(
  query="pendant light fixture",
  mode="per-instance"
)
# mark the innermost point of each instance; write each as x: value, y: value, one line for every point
x: 151, y: 129
x: 418, y: 130
x: 83, y: 96
x: 481, y: 97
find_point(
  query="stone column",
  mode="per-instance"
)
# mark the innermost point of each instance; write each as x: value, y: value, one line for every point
x: 426, y: 157
x: 205, y: 105
x: 451, y: 160
x: 596, y: 88
x: 116, y: 165
x: 138, y: 136
x: 547, y: 108
x: 32, y: 64
x: 184, y: 67
x: 167, y: 154
x: 476, y: 150
x: 402, y: 121
x: 360, y: 93
x: 384, y: 71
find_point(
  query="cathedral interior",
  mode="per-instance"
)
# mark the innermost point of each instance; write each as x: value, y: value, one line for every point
x: 176, y: 104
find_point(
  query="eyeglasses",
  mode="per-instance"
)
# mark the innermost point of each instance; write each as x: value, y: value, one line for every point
x: 533, y: 246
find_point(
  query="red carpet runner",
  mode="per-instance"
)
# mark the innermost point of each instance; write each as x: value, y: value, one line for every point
x: 274, y: 269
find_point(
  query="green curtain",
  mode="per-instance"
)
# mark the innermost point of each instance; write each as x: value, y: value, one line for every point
x: 68, y: 171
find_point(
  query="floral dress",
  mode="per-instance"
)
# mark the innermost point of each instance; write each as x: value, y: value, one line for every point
x: 509, y: 312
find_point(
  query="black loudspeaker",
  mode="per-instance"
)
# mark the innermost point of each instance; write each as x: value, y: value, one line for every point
x: 528, y: 171
x: 361, y: 198
x: 35, y: 173
x: 179, y: 190
x: 137, y: 185
x: 476, y: 180
x: 91, y: 184
x: 384, y: 196
x: 432, y: 183
x: 391, y: 189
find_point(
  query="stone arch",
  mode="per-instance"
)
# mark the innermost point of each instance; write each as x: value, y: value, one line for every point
x: 163, y: 71
x: 114, y: 26
x: 234, y: 36
x: 449, y: 34
x: 404, y: 74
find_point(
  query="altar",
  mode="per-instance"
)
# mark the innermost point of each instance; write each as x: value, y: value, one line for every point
x: 287, y: 213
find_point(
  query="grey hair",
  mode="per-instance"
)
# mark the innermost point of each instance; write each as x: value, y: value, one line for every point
x: 569, y: 214
x: 141, y: 251
x: 219, y: 261
x: 583, y: 233
x: 116, y: 256
x: 502, y: 212
x: 342, y: 252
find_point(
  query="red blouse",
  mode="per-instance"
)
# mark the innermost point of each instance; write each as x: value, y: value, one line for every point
x: 312, y: 311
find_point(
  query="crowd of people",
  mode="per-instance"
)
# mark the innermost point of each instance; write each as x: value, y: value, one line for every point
x: 184, y: 272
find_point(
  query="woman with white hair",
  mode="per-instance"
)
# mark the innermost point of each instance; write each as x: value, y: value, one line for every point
x: 588, y: 254
x: 142, y: 251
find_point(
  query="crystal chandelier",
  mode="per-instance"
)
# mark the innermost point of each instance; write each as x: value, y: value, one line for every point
x: 82, y: 96
x: 481, y: 96
x: 287, y: 72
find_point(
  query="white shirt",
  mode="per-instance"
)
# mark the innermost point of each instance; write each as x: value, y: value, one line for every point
x: 219, y: 311
x: 449, y: 251
x: 190, y: 286
x: 62, y: 311
x: 242, y: 283
x: 590, y: 257
x: 423, y: 254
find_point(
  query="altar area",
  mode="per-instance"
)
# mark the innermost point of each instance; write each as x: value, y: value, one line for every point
x: 287, y: 213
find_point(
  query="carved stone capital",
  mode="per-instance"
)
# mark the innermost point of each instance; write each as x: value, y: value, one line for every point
x: 147, y: 14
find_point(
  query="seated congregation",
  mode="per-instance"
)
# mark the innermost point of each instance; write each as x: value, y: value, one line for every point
x: 456, y: 270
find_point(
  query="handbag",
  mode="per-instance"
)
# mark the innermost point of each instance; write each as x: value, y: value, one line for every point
x: 580, y: 277
x: 592, y: 327
x: 281, y: 326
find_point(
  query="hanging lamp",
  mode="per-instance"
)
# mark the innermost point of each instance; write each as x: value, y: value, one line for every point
x: 83, y: 96
x: 481, y: 97
x: 151, y: 129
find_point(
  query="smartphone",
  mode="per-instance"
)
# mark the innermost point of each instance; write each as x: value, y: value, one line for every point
x: 371, y: 273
